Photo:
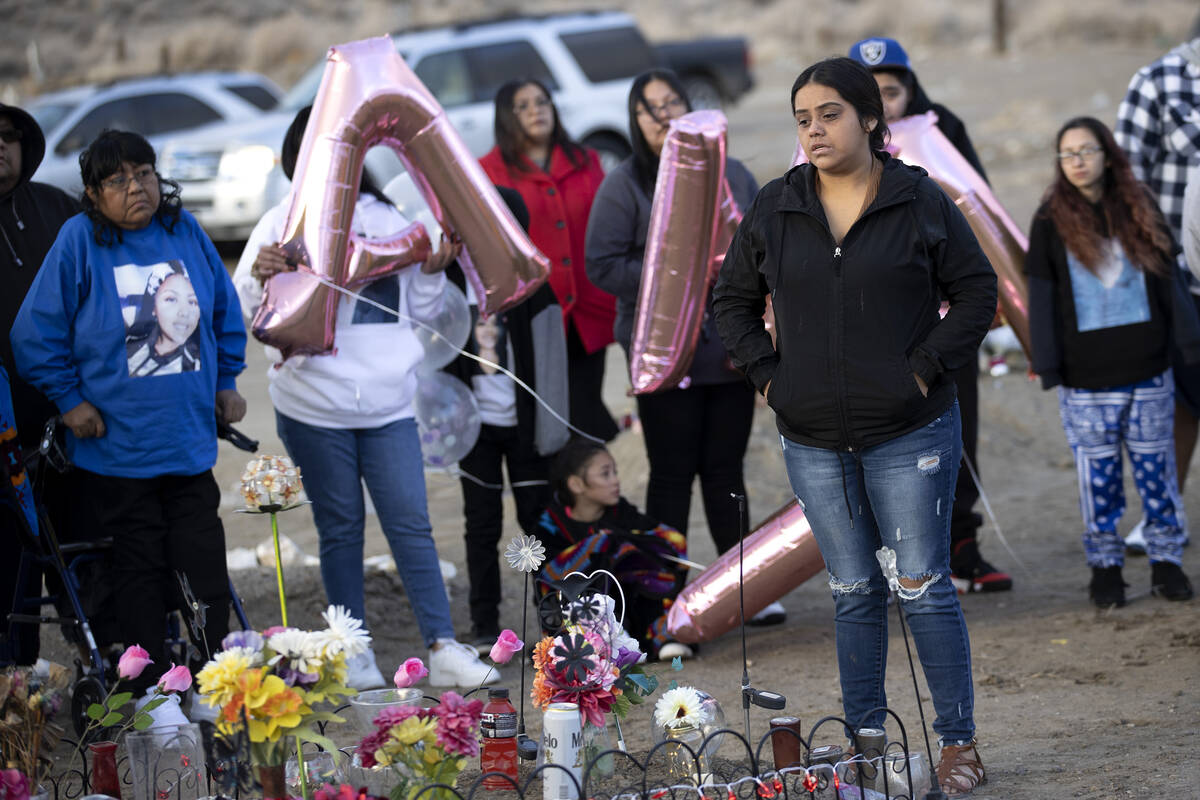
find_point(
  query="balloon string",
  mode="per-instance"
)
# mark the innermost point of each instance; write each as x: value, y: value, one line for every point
x: 396, y: 313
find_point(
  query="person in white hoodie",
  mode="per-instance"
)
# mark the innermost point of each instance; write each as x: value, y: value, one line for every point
x: 346, y: 418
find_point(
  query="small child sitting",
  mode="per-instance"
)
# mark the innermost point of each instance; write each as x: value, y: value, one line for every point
x: 590, y: 526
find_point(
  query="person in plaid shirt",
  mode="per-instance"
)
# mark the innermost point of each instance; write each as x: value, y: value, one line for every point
x: 1158, y: 126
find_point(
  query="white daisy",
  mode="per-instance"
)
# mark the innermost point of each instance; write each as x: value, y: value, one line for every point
x: 525, y: 553
x: 344, y: 633
x: 303, y: 649
x: 679, y: 707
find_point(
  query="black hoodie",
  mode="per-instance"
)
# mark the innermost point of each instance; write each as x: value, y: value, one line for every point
x: 30, y: 216
x: 854, y: 321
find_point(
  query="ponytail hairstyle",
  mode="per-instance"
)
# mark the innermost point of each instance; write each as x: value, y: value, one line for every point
x: 1130, y: 212
x: 572, y: 460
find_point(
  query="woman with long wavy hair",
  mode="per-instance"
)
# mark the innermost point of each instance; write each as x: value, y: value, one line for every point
x: 1106, y: 306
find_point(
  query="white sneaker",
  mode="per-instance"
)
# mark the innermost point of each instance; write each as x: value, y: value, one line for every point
x: 773, y: 614
x: 362, y: 673
x: 672, y: 650
x: 166, y: 714
x: 1135, y: 542
x: 456, y: 664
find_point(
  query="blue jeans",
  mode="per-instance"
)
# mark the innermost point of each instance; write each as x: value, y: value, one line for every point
x: 334, y: 463
x: 900, y: 494
x: 1140, y: 416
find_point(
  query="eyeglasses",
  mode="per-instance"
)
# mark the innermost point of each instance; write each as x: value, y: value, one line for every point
x: 1084, y: 153
x: 658, y: 112
x: 11, y: 136
x: 146, y: 176
x: 541, y: 102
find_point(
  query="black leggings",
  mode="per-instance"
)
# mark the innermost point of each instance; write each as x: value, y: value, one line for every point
x: 701, y: 430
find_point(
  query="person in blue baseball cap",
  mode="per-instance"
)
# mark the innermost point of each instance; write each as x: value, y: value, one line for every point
x: 903, y: 96
x: 902, y: 93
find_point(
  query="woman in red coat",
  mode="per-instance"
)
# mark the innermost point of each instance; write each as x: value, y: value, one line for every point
x: 558, y: 180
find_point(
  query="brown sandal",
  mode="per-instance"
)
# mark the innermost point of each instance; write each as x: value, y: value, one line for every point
x: 960, y: 769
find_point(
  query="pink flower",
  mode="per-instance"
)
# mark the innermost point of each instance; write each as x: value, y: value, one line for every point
x: 274, y: 629
x: 409, y: 673
x: 507, y: 645
x: 176, y: 679
x: 14, y: 785
x: 133, y: 661
x: 458, y: 724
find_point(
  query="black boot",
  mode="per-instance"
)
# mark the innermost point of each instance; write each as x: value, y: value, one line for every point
x: 1107, y: 589
x: 1167, y: 580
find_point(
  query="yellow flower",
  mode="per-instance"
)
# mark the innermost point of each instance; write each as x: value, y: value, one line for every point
x: 218, y: 681
x: 412, y: 730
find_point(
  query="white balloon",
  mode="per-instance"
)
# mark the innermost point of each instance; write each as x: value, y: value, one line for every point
x: 447, y: 419
x: 453, y: 326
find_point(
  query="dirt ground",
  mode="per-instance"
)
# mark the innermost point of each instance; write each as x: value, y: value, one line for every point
x: 1070, y: 702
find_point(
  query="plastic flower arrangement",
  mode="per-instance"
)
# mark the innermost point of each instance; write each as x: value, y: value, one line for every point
x: 29, y: 699
x: 594, y: 663
x: 271, y: 683
x: 424, y: 746
x: 271, y: 483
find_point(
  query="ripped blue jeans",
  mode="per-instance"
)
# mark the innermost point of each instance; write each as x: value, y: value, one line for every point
x: 899, y: 494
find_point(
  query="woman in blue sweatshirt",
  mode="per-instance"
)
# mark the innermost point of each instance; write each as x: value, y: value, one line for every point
x: 144, y: 441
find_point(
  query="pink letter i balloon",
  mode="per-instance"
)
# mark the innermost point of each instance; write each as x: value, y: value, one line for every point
x: 368, y: 96
x: 690, y: 200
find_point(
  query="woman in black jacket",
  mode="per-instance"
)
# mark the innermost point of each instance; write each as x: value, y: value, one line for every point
x: 1105, y: 304
x: 854, y: 248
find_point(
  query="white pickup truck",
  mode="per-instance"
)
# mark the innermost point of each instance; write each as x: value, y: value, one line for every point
x: 230, y: 173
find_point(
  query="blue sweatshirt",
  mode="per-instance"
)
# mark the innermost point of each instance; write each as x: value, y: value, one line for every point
x: 148, y: 331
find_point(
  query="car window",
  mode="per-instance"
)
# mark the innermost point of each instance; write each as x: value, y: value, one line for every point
x: 494, y: 65
x: 255, y: 95
x: 611, y: 54
x: 147, y: 114
x: 116, y: 114
x: 448, y: 77
x: 48, y: 115
x: 172, y: 111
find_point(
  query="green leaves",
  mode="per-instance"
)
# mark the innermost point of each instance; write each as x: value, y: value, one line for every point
x: 117, y: 700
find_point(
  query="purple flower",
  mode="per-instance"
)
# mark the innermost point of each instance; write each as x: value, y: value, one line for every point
x: 252, y: 640
x: 294, y: 677
x: 626, y: 657
x: 458, y: 724
x: 15, y: 784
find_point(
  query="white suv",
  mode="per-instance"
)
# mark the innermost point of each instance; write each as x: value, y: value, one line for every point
x: 230, y: 174
x: 154, y: 107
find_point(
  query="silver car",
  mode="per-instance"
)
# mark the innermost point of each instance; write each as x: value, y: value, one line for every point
x: 154, y: 107
x: 230, y: 173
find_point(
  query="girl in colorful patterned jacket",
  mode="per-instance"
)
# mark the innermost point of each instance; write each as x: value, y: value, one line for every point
x: 589, y: 526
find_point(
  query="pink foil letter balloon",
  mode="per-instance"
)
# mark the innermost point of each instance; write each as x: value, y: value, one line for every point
x: 368, y: 96
x: 780, y: 555
x: 679, y: 251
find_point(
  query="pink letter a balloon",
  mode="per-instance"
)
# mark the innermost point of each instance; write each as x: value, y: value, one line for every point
x: 369, y: 96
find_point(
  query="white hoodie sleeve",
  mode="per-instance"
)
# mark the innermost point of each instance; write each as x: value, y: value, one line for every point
x: 267, y: 231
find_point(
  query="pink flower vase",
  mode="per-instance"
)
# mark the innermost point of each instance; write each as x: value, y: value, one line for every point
x: 104, y: 778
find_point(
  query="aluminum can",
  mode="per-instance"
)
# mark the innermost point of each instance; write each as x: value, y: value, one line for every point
x: 870, y: 743
x: 562, y: 743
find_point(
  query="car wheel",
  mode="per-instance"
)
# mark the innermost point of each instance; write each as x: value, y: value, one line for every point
x: 611, y: 148
x: 702, y: 92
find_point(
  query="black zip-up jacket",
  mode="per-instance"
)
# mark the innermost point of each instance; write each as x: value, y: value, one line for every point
x: 854, y: 322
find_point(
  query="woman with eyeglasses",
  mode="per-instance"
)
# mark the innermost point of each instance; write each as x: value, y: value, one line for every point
x: 1106, y: 304
x: 135, y: 268
x: 702, y: 429
x: 558, y: 179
